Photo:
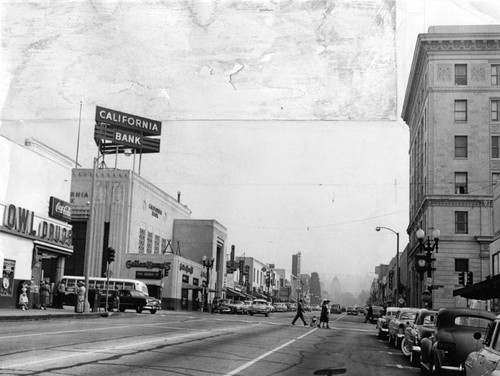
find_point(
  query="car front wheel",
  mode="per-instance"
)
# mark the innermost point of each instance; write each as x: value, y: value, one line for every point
x: 138, y: 309
x: 405, y: 348
x: 153, y: 311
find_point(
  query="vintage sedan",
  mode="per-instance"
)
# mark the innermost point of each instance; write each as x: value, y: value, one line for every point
x: 398, y: 324
x: 453, y: 339
x: 133, y: 299
x: 237, y: 306
x: 259, y: 306
x: 422, y: 327
x: 383, y: 322
x: 486, y: 361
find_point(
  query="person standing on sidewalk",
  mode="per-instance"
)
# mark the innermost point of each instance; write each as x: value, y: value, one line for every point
x: 44, y: 295
x: 300, y: 313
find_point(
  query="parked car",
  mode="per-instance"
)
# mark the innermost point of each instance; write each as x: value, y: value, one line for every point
x: 222, y: 306
x: 485, y: 361
x: 271, y: 307
x: 133, y: 299
x: 246, y: 306
x: 453, y: 339
x: 378, y: 311
x: 336, y: 308
x: 383, y: 322
x: 237, y: 306
x: 280, y: 307
x: 352, y: 311
x: 259, y: 306
x: 422, y: 327
x: 398, y: 324
x: 361, y: 310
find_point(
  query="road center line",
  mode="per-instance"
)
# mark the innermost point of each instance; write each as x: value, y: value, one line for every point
x: 252, y: 362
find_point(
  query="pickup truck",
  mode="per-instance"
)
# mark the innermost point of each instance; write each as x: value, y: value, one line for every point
x: 137, y: 300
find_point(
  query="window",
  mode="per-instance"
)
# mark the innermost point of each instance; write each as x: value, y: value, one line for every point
x: 196, y: 281
x: 460, y: 146
x: 185, y: 278
x: 462, y: 265
x: 461, y: 222
x: 495, y: 73
x: 495, y: 153
x: 460, y: 183
x: 494, y: 109
x: 461, y: 110
x: 495, y: 178
x: 460, y: 74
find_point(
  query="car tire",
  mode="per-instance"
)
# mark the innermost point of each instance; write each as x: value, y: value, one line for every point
x: 414, y: 359
x: 122, y: 309
x: 251, y: 313
x: 153, y: 311
x: 138, y: 309
x: 406, y: 351
x: 266, y: 314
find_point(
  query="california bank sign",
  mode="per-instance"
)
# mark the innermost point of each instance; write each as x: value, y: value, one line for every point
x: 25, y: 221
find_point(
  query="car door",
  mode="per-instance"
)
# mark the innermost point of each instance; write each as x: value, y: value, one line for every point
x: 485, y: 361
x: 491, y: 351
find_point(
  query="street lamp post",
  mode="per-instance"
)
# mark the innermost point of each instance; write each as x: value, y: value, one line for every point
x: 397, y: 259
x: 428, y: 247
x: 207, y: 264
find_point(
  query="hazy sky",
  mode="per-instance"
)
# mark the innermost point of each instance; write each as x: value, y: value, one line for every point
x: 281, y: 120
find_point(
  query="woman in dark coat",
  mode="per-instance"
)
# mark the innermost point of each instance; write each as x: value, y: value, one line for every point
x: 323, y: 319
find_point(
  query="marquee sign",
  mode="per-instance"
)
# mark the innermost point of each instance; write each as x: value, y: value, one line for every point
x: 116, y: 132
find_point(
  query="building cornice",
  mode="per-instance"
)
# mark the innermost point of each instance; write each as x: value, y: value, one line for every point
x: 444, y: 42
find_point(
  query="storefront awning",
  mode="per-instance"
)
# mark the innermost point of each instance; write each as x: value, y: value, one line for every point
x: 234, y: 293
x: 188, y: 286
x: 39, y: 245
x: 259, y: 295
x: 484, y: 290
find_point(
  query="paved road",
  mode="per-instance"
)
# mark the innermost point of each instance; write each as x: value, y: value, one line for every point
x: 195, y: 344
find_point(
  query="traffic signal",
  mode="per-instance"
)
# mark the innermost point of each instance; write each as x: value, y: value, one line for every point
x: 461, y: 278
x: 111, y: 255
x: 469, y: 278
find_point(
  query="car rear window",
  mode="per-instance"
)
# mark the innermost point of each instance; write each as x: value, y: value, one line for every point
x: 471, y: 321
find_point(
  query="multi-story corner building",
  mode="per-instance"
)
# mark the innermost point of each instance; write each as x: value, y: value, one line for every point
x: 451, y: 107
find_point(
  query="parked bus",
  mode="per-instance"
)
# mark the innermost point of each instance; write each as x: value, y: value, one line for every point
x: 99, y: 283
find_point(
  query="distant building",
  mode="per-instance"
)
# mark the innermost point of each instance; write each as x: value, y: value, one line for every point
x: 452, y: 107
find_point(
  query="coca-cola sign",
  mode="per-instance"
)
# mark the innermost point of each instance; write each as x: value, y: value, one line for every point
x: 59, y: 209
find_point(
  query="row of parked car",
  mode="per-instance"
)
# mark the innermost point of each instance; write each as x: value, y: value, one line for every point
x: 250, y: 307
x: 450, y: 340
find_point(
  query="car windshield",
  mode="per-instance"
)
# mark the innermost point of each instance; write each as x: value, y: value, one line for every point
x: 474, y: 322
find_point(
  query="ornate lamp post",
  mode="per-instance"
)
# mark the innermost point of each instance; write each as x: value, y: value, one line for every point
x: 207, y: 264
x: 397, y: 259
x: 428, y: 247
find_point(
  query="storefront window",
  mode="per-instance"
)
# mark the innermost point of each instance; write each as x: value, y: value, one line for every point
x: 7, y: 286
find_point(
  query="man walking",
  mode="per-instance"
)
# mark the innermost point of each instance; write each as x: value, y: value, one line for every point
x: 369, y: 314
x: 300, y: 314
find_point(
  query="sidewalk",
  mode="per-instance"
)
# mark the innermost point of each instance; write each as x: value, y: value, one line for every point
x: 11, y: 314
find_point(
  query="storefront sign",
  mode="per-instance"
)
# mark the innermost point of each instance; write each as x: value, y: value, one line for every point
x: 128, y: 139
x: 141, y: 274
x: 59, y: 209
x: 147, y: 264
x: 186, y: 268
x: 23, y: 221
x: 145, y: 126
x: 84, y: 195
x: 155, y: 212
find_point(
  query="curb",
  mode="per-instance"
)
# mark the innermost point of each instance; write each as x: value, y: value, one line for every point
x: 71, y: 316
